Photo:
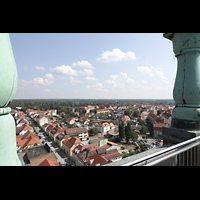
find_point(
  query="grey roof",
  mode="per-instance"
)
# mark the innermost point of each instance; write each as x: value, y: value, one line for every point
x: 36, y: 151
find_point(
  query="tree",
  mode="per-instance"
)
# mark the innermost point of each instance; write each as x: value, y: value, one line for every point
x: 93, y: 131
x: 134, y: 136
x: 141, y: 122
x: 128, y: 112
x: 144, y: 129
x: 136, y: 113
x: 159, y: 112
x: 143, y: 147
x: 128, y: 131
x: 121, y: 130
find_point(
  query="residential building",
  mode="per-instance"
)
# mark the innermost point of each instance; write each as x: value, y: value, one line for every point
x: 29, y: 139
x: 55, y: 131
x: 23, y: 129
x: 37, y: 154
x: 112, y: 155
x: 82, y: 133
x: 167, y: 117
x: 125, y: 117
x: 69, y: 144
x: 144, y: 114
x: 97, y: 160
x: 48, y: 162
x: 71, y: 120
x: 82, y: 152
x: 42, y: 120
x: 103, y: 128
x: 157, y: 129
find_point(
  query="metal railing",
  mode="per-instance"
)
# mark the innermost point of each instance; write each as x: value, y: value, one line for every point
x: 186, y: 153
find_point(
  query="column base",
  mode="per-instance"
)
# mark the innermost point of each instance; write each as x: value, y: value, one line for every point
x: 177, y: 135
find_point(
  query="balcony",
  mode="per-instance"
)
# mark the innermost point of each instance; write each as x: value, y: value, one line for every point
x: 186, y: 153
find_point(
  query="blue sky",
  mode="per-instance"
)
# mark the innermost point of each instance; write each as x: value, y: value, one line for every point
x: 94, y: 65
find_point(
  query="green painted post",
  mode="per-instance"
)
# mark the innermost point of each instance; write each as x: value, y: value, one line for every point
x: 8, y: 86
x: 186, y: 92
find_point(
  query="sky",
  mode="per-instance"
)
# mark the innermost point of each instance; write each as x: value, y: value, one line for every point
x: 94, y: 65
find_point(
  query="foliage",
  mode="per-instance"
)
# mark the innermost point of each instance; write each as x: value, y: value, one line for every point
x: 159, y: 112
x: 133, y: 136
x: 121, y: 130
x: 143, y: 147
x: 136, y: 113
x: 128, y: 132
x: 128, y: 112
x: 144, y: 129
x: 92, y: 131
x: 141, y: 122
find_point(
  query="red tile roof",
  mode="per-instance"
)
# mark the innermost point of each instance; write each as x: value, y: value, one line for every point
x: 48, y: 162
x: 28, y: 138
x: 70, y: 142
x: 97, y: 160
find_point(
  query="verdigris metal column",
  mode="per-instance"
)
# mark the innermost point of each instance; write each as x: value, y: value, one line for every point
x: 186, y: 115
x: 8, y: 86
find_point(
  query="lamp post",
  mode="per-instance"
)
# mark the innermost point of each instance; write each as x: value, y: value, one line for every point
x: 8, y: 86
x: 186, y: 93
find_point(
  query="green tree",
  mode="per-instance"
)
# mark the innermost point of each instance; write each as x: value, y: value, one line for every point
x: 141, y: 122
x: 159, y: 112
x: 128, y: 131
x: 133, y: 136
x: 121, y: 130
x: 128, y: 112
x: 136, y: 113
x: 144, y: 129
x: 143, y: 147
x: 92, y: 131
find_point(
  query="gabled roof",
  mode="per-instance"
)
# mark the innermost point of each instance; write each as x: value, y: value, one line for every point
x: 50, y: 127
x: 159, y: 125
x: 70, y: 142
x: 97, y: 160
x: 48, y: 162
x: 28, y: 138
x: 56, y: 130
x: 25, y: 126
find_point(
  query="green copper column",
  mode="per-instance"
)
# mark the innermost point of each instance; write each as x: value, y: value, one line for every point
x: 8, y: 86
x: 186, y: 115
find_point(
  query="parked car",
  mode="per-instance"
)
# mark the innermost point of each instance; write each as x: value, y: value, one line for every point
x: 158, y: 143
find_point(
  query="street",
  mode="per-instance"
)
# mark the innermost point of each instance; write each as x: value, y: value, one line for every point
x: 60, y: 154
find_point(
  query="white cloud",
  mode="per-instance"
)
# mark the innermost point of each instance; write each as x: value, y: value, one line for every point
x: 115, y: 84
x: 47, y: 80
x: 111, y: 82
x: 114, y: 76
x: 125, y: 75
x: 39, y: 68
x: 154, y: 72
x: 47, y: 90
x: 145, y: 69
x: 64, y: 69
x: 87, y: 71
x: 116, y: 55
x: 130, y: 81
x: 90, y: 78
x: 83, y: 63
x: 74, y: 81
x: 97, y: 86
